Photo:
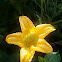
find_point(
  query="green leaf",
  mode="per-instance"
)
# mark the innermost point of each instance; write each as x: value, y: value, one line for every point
x: 53, y: 57
x: 45, y: 60
x: 57, y: 22
x: 59, y: 42
x: 40, y: 59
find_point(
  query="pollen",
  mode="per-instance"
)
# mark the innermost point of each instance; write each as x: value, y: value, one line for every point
x: 30, y: 39
x: 29, y: 43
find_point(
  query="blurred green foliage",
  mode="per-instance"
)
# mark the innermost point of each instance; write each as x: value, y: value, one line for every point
x: 50, y: 12
x: 53, y: 57
x: 50, y: 57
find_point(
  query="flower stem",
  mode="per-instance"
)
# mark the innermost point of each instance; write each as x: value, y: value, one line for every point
x: 42, y: 10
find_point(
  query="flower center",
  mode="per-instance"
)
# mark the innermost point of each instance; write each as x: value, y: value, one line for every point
x: 30, y: 39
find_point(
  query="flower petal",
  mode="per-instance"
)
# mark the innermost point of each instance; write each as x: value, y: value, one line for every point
x: 25, y: 23
x: 15, y: 38
x: 26, y: 55
x: 42, y: 46
x: 44, y: 29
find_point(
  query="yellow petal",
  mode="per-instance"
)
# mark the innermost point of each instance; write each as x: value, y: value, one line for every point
x: 44, y: 29
x: 42, y: 46
x: 26, y: 55
x: 25, y: 23
x: 15, y: 38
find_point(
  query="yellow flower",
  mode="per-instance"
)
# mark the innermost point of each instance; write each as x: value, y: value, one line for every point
x: 31, y: 39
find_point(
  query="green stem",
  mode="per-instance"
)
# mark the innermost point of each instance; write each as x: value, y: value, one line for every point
x: 37, y: 3
x: 54, y: 5
x: 42, y: 10
x: 60, y: 21
x: 47, y: 7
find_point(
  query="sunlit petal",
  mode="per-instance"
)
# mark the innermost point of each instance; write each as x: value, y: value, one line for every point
x: 26, y: 24
x: 15, y: 38
x: 44, y: 29
x: 42, y: 46
x: 26, y: 55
